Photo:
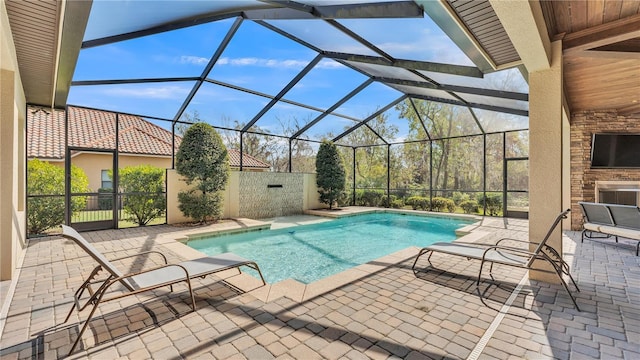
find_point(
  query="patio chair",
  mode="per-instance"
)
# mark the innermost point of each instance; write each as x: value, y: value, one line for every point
x: 508, y: 255
x: 145, y: 280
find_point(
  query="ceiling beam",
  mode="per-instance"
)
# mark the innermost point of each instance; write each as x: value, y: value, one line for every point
x: 602, y: 35
x: 74, y: 23
x: 408, y: 64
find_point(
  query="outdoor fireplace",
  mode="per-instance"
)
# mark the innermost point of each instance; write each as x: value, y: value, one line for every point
x: 618, y: 192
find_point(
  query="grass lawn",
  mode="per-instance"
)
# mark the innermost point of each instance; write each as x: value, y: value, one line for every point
x: 103, y: 215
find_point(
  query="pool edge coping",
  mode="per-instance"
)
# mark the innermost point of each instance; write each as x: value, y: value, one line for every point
x: 298, y: 291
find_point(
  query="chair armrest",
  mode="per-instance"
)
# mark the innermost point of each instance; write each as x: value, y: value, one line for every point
x: 516, y: 240
x: 143, y: 253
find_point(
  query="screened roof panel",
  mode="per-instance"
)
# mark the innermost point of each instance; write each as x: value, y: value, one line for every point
x: 411, y: 39
x: 285, y: 119
x: 329, y: 127
x: 180, y: 53
x: 386, y: 71
x: 322, y: 35
x: 415, y: 90
x: 151, y: 99
x: 260, y: 59
x: 222, y: 106
x: 446, y: 120
x: 328, y: 82
x: 394, y: 127
x: 495, y: 101
x: 492, y: 121
x: 506, y: 80
x: 139, y: 15
x: 362, y: 136
x: 262, y: 62
x: 368, y: 101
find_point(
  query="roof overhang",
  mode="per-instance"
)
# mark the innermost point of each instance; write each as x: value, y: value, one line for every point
x: 47, y: 37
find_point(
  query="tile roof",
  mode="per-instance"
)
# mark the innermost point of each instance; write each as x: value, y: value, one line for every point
x: 89, y: 128
x: 248, y: 160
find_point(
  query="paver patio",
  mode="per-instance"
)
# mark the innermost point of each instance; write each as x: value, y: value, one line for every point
x: 385, y: 311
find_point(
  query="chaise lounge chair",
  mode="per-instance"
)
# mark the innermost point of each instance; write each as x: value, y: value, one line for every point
x: 150, y: 279
x: 507, y: 255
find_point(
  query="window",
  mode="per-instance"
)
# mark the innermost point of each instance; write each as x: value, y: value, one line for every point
x: 106, y: 180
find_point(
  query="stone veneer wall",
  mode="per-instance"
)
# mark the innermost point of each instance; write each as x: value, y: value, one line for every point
x: 259, y: 201
x: 583, y: 179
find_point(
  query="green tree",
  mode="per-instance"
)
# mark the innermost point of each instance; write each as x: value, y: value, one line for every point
x: 45, y: 212
x: 330, y: 176
x: 143, y: 186
x: 203, y: 160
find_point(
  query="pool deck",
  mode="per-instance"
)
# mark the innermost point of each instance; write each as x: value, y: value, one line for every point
x: 377, y: 310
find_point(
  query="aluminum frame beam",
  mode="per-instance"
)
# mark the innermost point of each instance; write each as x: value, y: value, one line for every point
x: 473, y: 105
x: 458, y: 89
x: 282, y: 92
x: 216, y: 55
x: 461, y: 70
x: 371, y: 117
x: 391, y: 9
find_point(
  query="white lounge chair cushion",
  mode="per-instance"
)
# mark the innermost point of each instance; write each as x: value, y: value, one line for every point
x: 476, y: 252
x: 620, y: 231
x: 196, y: 268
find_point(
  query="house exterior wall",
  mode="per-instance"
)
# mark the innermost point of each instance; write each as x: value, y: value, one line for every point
x: 12, y: 154
x: 248, y: 195
x: 583, y: 179
x: 94, y: 163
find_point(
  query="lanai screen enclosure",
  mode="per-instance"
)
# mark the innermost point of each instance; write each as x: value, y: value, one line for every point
x: 412, y: 112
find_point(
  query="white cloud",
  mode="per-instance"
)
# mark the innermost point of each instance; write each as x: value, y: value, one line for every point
x: 163, y: 92
x: 261, y: 62
x: 193, y: 60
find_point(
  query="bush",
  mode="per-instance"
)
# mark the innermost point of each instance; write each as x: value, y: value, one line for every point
x: 144, y: 187
x: 387, y: 201
x: 47, y: 179
x: 330, y: 176
x: 469, y: 206
x: 373, y: 197
x: 397, y: 204
x: 441, y: 204
x: 345, y: 198
x: 105, y: 199
x: 459, y: 197
x: 492, y: 202
x: 203, y: 161
x: 418, y: 202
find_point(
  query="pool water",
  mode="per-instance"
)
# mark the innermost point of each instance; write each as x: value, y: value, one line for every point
x: 308, y: 253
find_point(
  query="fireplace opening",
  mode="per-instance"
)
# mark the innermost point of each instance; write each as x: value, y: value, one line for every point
x: 618, y: 192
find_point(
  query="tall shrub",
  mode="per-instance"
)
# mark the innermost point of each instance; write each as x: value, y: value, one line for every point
x: 330, y: 176
x: 45, y: 212
x: 143, y: 186
x: 203, y: 161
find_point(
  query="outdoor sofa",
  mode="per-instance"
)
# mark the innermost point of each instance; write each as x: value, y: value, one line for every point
x: 611, y: 220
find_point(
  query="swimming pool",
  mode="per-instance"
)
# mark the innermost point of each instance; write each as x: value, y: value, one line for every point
x: 308, y: 253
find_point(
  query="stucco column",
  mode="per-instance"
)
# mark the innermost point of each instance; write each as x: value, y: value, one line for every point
x: 6, y: 173
x: 545, y: 155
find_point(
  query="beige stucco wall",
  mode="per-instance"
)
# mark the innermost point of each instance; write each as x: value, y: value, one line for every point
x: 247, y: 195
x: 94, y: 163
x: 546, y: 155
x: 12, y: 144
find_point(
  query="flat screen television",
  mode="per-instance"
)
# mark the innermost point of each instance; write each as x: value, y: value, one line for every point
x: 615, y: 151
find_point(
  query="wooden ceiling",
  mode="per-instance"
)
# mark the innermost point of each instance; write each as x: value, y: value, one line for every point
x: 601, y: 45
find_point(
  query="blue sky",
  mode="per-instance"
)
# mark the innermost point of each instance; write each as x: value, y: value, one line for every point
x: 263, y: 61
